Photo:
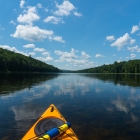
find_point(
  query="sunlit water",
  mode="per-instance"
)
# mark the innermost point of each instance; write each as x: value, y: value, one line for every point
x: 100, y: 107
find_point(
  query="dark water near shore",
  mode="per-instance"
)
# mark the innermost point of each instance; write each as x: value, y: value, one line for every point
x: 99, y: 106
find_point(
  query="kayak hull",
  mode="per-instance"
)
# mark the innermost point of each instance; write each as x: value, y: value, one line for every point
x: 50, y: 113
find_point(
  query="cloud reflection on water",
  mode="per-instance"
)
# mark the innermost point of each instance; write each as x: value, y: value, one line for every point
x: 98, y: 90
x: 25, y: 116
x: 132, y: 90
x: 71, y: 86
x: 26, y: 112
x: 110, y: 109
x: 134, y: 118
x: 121, y: 105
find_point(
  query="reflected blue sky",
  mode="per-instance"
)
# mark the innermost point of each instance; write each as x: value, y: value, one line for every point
x: 82, y: 100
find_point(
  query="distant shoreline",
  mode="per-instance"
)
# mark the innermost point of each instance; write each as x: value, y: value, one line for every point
x: 2, y: 72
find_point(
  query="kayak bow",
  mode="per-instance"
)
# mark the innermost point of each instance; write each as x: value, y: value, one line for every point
x: 51, y: 125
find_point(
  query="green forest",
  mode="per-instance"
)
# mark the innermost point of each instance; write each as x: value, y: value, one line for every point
x: 15, y: 62
x: 132, y: 66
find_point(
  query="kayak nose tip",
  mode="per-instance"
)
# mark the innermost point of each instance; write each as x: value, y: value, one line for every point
x: 69, y: 124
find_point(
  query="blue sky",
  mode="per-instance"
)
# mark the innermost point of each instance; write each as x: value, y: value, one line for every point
x: 72, y: 34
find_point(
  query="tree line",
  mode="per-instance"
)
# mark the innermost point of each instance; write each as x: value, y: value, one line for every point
x: 132, y: 66
x: 15, y: 62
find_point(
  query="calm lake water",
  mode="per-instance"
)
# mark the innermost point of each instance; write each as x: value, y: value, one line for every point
x: 100, y: 107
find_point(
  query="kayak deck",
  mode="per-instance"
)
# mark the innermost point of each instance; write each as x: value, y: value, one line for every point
x: 50, y: 113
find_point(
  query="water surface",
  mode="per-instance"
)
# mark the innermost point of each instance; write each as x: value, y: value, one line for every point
x: 100, y: 107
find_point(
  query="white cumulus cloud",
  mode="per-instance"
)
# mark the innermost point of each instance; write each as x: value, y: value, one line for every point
x: 72, y: 58
x: 98, y: 55
x: 84, y: 55
x: 48, y: 58
x: 58, y: 38
x: 80, y: 62
x: 132, y: 41
x: 22, y: 2
x: 77, y: 14
x: 39, y: 49
x: 45, y: 59
x: 29, y: 46
x: 34, y: 33
x: 58, y: 52
x: 39, y: 5
x: 134, y: 49
x: 45, y: 53
x: 110, y: 38
x: 132, y: 55
x: 134, y: 29
x: 66, y: 55
x: 29, y: 16
x: 31, y: 33
x: 54, y: 20
x: 120, y: 42
x: 64, y: 9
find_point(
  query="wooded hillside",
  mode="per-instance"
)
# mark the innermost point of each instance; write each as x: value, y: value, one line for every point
x: 132, y: 66
x: 15, y: 62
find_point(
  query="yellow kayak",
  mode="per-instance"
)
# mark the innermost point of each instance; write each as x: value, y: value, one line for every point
x: 51, y: 126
